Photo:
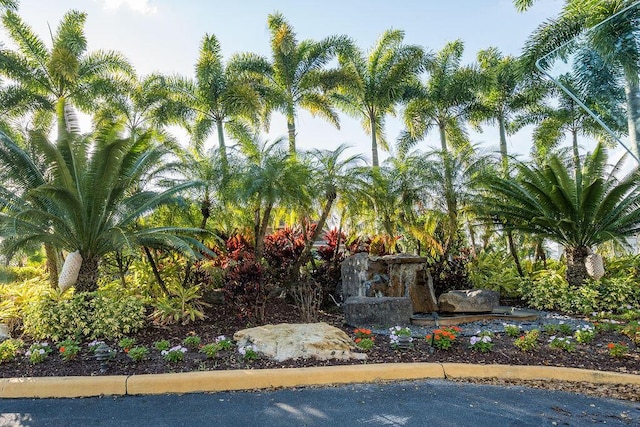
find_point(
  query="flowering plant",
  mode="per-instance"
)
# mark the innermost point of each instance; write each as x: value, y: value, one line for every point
x: 528, y: 341
x: 443, y: 338
x: 481, y: 342
x: 68, y: 349
x: 174, y: 354
x: 126, y: 344
x: 584, y: 334
x: 138, y: 353
x: 192, y: 341
x: 617, y: 349
x: 512, y: 330
x: 248, y: 352
x: 224, y: 343
x: 400, y: 336
x: 38, y: 352
x: 364, y: 340
x: 562, y: 343
x: 162, y: 345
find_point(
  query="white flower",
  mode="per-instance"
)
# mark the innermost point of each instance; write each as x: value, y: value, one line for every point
x: 242, y: 350
x: 486, y: 338
x: 41, y: 350
x: 164, y: 352
x: 474, y: 340
x: 220, y: 338
x: 27, y: 353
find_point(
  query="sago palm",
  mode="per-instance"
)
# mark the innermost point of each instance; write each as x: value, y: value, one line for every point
x: 579, y: 208
x: 90, y: 199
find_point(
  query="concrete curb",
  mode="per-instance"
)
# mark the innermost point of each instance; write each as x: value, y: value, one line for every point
x: 248, y: 379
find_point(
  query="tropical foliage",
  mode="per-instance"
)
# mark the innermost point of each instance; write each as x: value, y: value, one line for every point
x: 171, y: 222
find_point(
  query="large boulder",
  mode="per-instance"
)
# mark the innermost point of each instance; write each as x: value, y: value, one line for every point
x: 469, y: 301
x: 383, y: 311
x: 292, y: 341
x: 399, y: 275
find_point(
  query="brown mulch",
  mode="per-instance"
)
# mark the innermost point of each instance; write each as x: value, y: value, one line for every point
x: 222, y: 321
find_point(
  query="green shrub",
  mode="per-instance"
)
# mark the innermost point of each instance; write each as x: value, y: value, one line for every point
x: 162, y: 345
x: 495, y: 271
x: 9, y: 349
x: 138, y: 353
x: 548, y: 290
x: 83, y: 315
x: 20, y: 274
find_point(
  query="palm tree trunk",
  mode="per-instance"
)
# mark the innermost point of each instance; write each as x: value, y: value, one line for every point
x: 449, y: 195
x: 291, y: 127
x: 632, y: 94
x: 576, y: 269
x: 576, y: 152
x: 374, y: 144
x: 88, y: 275
x: 294, y: 273
x: 504, y: 156
x: 156, y: 273
x: 514, y: 253
x: 222, y: 147
x: 262, y: 230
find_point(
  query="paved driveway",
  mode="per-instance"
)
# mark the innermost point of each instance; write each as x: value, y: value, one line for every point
x: 415, y: 403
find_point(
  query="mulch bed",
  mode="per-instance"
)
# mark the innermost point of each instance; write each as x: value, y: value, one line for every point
x: 222, y: 321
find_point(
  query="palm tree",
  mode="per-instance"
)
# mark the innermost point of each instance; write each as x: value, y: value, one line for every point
x: 445, y: 101
x: 577, y: 208
x: 296, y: 76
x: 504, y: 95
x: 218, y: 97
x: 66, y: 75
x: 554, y: 122
x: 335, y: 176
x: 612, y: 44
x: 137, y: 106
x: 271, y: 177
x: 91, y: 199
x: 379, y: 80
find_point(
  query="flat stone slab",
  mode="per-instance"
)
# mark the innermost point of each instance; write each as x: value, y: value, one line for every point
x: 502, y: 313
x: 304, y: 340
x: 377, y: 311
x: 469, y: 301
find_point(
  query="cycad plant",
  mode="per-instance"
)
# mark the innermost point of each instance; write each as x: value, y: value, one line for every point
x: 90, y: 199
x: 578, y: 208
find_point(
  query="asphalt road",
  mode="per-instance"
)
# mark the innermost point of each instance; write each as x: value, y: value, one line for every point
x: 415, y: 403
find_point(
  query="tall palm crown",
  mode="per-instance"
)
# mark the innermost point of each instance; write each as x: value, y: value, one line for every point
x: 90, y: 199
x: 297, y: 75
x: 218, y: 96
x: 613, y: 44
x: 137, y: 106
x: 64, y: 75
x: 445, y: 101
x: 504, y: 95
x: 578, y: 208
x: 379, y: 80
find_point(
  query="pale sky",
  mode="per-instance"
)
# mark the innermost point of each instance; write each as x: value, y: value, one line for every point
x: 164, y: 36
